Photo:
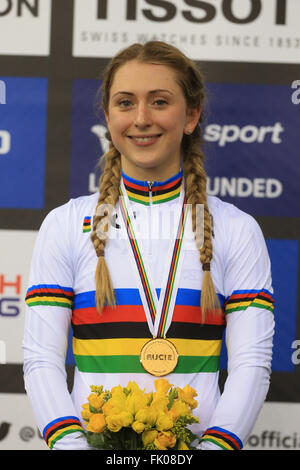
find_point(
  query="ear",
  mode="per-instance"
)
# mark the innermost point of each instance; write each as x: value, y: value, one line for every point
x: 192, y: 118
x: 106, y: 118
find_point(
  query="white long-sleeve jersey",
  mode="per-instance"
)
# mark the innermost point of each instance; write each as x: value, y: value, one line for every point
x: 106, y: 347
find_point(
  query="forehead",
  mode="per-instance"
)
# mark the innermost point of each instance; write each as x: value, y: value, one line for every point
x: 138, y: 77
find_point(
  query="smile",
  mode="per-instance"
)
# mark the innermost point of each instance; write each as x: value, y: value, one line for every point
x: 145, y: 139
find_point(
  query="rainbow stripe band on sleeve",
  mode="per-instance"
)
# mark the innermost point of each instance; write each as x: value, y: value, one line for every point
x: 59, y: 428
x: 242, y: 299
x: 222, y: 438
x: 87, y: 227
x: 50, y: 294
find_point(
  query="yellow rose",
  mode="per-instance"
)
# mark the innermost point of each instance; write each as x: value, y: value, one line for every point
x: 136, y: 401
x: 179, y: 408
x: 146, y: 415
x: 118, y: 392
x: 187, y: 394
x: 182, y: 445
x: 159, y: 407
x: 96, y: 423
x: 164, y: 440
x: 138, y: 427
x: 133, y: 387
x: 114, y: 422
x: 126, y: 418
x: 162, y: 386
x: 114, y: 405
x: 160, y: 402
x: 142, y: 415
x: 107, y: 408
x: 95, y: 400
x: 86, y: 414
x: 164, y: 423
x: 149, y: 436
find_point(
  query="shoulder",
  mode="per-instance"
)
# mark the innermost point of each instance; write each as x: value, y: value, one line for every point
x: 230, y: 216
x: 234, y: 231
x: 83, y: 206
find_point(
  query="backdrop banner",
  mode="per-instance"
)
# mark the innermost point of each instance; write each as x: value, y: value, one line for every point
x: 52, y: 134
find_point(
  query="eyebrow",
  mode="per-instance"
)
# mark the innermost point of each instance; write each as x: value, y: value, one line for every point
x: 158, y: 90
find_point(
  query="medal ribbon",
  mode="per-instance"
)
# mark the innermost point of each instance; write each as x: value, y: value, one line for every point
x: 160, y: 322
x: 139, y: 260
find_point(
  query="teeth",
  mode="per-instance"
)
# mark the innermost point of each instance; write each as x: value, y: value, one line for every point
x: 143, y: 139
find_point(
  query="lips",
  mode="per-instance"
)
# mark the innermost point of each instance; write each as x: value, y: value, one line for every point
x: 144, y: 139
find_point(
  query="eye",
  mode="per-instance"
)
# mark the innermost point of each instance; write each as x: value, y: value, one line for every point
x: 160, y: 102
x: 125, y: 103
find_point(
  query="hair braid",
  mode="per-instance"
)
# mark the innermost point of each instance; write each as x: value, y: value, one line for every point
x: 195, y: 188
x: 109, y: 193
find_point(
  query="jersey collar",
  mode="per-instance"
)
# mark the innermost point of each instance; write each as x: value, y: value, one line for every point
x: 155, y: 192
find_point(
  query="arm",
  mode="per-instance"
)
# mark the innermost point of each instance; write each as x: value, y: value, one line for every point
x: 47, y: 322
x: 249, y: 335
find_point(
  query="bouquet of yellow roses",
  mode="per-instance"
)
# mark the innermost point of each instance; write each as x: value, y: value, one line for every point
x: 128, y: 418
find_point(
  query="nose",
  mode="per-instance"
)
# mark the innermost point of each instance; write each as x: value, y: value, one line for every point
x: 143, y: 116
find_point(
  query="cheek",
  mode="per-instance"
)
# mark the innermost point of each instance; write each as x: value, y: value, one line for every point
x: 117, y: 124
x: 175, y: 120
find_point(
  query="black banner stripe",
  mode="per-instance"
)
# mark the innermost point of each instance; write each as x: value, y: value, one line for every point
x: 141, y: 330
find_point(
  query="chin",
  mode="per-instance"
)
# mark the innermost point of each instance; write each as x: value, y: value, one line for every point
x: 146, y: 165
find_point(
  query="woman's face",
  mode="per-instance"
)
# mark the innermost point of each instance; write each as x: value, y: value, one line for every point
x: 147, y: 118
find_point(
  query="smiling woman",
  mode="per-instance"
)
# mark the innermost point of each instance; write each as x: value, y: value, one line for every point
x: 136, y: 311
x: 147, y: 120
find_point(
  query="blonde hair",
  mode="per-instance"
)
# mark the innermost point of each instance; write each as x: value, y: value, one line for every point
x: 191, y: 82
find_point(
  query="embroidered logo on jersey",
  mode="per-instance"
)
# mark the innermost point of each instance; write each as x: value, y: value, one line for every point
x: 242, y: 299
x: 88, y: 223
x: 87, y: 227
x: 50, y: 294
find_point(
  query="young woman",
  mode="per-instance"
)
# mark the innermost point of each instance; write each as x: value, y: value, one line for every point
x: 164, y: 270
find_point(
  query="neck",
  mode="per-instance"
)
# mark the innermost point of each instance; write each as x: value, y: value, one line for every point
x: 150, y: 174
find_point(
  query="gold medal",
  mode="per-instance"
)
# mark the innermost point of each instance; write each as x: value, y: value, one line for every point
x: 159, y: 357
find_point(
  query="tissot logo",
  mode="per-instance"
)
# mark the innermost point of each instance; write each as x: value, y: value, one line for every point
x: 19, y: 7
x: 193, y: 10
x: 226, y: 30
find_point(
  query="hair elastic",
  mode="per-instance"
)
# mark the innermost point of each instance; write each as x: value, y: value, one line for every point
x: 100, y: 252
x: 206, y: 266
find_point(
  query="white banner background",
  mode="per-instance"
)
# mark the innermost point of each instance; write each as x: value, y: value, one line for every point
x: 217, y: 38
